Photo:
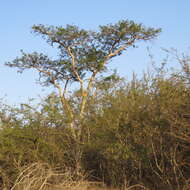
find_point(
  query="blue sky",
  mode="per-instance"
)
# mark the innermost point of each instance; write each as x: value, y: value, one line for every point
x: 17, y: 17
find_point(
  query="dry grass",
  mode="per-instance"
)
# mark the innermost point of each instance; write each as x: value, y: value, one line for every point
x: 40, y: 176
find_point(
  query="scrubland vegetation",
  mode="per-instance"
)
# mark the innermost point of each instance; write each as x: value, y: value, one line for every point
x: 109, y: 133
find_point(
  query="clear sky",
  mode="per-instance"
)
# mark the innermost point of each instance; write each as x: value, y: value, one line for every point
x: 17, y: 17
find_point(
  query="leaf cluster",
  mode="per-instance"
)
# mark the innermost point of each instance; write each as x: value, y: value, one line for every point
x: 81, y: 51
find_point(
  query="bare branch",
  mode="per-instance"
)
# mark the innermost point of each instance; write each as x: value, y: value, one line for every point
x: 64, y: 101
x: 112, y: 54
x: 85, y: 96
x: 65, y: 87
x: 74, y: 66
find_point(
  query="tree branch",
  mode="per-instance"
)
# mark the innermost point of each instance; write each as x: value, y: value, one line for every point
x: 74, y: 66
x: 64, y: 101
x: 85, y: 94
x: 112, y: 54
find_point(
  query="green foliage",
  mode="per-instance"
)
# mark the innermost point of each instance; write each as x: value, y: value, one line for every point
x: 121, y: 133
x: 91, y: 50
x: 142, y: 134
x: 135, y: 131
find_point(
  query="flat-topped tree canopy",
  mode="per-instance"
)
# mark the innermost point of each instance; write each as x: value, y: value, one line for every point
x: 82, y: 55
x: 80, y: 50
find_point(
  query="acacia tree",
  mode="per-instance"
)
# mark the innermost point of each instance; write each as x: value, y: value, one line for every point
x: 83, y: 54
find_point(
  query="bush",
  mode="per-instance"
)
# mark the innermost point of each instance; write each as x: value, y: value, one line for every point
x: 136, y: 135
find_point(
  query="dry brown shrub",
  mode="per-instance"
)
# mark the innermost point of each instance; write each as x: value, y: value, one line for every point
x: 40, y: 176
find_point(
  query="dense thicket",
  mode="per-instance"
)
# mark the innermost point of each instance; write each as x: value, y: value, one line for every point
x: 136, y: 132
